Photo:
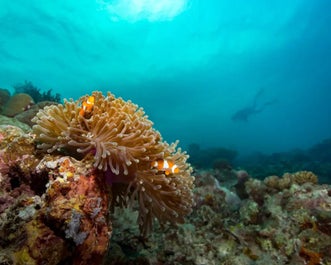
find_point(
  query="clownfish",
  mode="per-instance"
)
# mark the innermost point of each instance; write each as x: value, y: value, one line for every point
x: 168, y: 166
x: 87, y: 106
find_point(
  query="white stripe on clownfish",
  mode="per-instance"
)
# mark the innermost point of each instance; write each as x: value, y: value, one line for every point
x: 168, y: 166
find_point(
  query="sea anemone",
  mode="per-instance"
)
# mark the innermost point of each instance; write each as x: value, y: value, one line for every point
x: 123, y: 144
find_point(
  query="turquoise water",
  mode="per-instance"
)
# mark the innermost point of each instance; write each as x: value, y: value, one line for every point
x: 245, y: 75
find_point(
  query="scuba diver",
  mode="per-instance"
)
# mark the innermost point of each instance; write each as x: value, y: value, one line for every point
x: 245, y: 113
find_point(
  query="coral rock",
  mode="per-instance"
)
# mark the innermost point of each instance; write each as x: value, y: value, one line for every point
x: 39, y: 224
x: 26, y: 116
x: 17, y: 104
x: 302, y: 177
x: 77, y: 207
x: 5, y: 121
x: 41, y: 246
x: 123, y: 144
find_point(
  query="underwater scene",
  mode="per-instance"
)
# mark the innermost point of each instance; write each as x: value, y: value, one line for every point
x: 165, y: 132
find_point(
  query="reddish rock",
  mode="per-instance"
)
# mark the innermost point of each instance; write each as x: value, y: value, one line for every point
x: 77, y: 207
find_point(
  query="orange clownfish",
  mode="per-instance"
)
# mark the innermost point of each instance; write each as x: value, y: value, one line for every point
x: 168, y: 166
x: 87, y: 106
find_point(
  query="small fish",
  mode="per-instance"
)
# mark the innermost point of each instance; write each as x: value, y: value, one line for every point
x: 168, y: 166
x: 87, y: 106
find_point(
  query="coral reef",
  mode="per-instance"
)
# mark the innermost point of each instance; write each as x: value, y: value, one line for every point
x: 27, y: 116
x: 41, y: 246
x: 4, y: 97
x: 16, y: 149
x: 287, y: 180
x: 4, y: 121
x: 25, y: 103
x: 316, y: 158
x: 123, y: 144
x: 76, y: 206
x: 53, y: 209
x: 211, y: 157
x: 64, y: 186
x: 321, y: 151
x: 17, y: 104
x: 271, y: 226
x: 38, y: 96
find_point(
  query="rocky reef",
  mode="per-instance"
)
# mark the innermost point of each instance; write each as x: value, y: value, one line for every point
x: 281, y: 220
x: 66, y: 197
x: 53, y: 209
x: 55, y: 197
x: 24, y: 104
x: 316, y: 158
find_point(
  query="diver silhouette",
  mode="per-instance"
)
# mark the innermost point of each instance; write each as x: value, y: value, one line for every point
x: 246, y: 112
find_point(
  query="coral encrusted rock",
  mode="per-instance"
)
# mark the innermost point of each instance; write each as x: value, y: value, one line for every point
x: 17, y: 104
x: 124, y: 148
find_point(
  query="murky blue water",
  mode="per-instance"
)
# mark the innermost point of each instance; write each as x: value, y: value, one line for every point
x: 245, y: 75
